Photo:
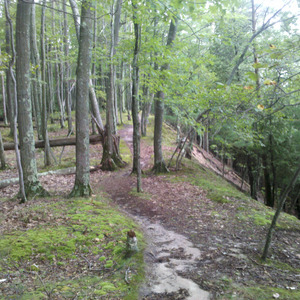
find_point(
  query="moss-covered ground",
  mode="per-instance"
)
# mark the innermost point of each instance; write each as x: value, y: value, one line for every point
x: 68, y: 248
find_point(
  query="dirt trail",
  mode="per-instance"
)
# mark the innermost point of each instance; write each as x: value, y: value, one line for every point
x: 168, y: 252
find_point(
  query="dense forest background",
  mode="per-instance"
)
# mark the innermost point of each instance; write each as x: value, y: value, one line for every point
x: 223, y: 73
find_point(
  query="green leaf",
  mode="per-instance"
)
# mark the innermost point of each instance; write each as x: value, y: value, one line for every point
x: 276, y: 56
x: 252, y: 76
x: 259, y: 66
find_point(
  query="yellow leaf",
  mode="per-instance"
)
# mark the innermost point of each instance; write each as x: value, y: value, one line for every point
x: 272, y: 46
x: 248, y: 87
x: 269, y: 82
x: 260, y: 106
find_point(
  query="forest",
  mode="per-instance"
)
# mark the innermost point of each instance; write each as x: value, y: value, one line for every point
x: 82, y: 79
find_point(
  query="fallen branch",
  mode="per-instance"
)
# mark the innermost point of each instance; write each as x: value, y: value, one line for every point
x: 56, y: 142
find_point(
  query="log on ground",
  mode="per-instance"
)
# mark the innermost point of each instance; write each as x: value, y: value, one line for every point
x: 94, y: 139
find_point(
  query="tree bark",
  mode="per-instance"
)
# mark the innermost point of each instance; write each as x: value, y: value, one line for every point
x: 32, y: 184
x: 47, y: 150
x: 2, y: 155
x: 92, y: 94
x: 135, y: 104
x: 67, y: 70
x: 111, y: 159
x: 82, y: 179
x: 36, y: 78
x: 3, y: 97
x: 10, y: 102
x: 57, y: 77
x: 159, y: 163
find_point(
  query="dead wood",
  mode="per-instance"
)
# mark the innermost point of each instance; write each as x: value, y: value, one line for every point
x: 94, y: 139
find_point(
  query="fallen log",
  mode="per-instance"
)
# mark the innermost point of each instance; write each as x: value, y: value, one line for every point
x: 94, y: 139
x: 67, y: 171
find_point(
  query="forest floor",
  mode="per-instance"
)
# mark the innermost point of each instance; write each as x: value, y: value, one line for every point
x: 226, y: 227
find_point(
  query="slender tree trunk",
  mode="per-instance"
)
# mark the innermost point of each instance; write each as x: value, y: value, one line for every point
x: 135, y: 105
x: 22, y: 193
x: 10, y: 102
x: 111, y: 159
x: 47, y: 156
x: 252, y: 174
x: 3, y: 97
x: 82, y: 180
x: 268, y: 188
x: 159, y: 163
x: 36, y: 79
x: 277, y: 213
x: 2, y: 155
x: 67, y: 70
x: 57, y: 77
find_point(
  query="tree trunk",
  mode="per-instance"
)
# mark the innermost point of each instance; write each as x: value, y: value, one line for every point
x: 159, y: 163
x: 82, y: 179
x: 92, y: 94
x: 10, y: 102
x: 277, y: 213
x: 146, y: 112
x: 57, y: 77
x: 3, y: 96
x: 32, y: 184
x: 268, y: 188
x: 2, y: 155
x: 135, y: 105
x: 111, y: 159
x: 252, y: 174
x: 36, y: 79
x: 47, y: 155
x: 67, y: 70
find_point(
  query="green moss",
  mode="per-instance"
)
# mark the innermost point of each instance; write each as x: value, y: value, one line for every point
x: 266, y: 293
x: 78, y: 227
x: 109, y: 264
x: 279, y: 265
x: 213, y: 196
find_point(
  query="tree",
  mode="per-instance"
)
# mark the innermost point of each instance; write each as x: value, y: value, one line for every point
x: 277, y: 213
x: 111, y: 159
x: 82, y: 179
x: 135, y: 98
x: 32, y: 184
x: 36, y: 78
x: 159, y: 163
x: 47, y: 156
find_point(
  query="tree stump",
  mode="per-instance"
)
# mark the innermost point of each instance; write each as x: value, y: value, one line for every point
x: 131, y: 244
